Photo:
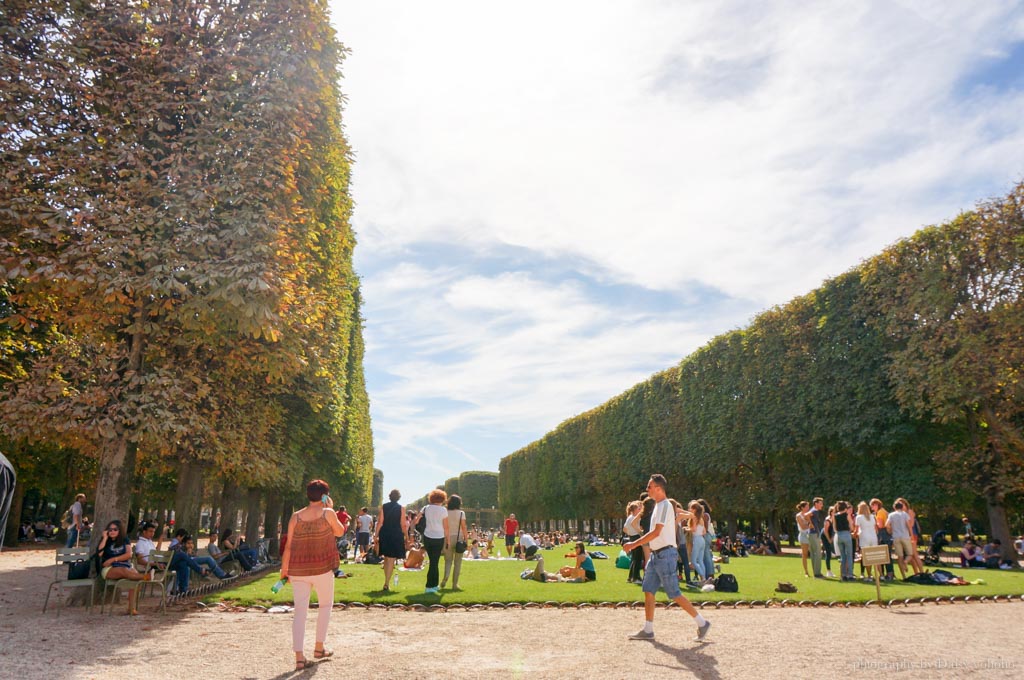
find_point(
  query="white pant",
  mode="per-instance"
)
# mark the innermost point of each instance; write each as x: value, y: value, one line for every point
x: 301, y: 586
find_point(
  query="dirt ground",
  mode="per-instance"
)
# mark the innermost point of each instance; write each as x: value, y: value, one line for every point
x: 944, y: 641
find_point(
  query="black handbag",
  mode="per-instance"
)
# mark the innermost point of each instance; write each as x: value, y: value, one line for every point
x: 78, y: 570
x: 460, y: 546
x: 421, y: 523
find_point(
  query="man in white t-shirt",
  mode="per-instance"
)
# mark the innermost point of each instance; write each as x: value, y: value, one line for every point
x: 364, y: 524
x: 529, y: 545
x: 898, y: 524
x: 661, y: 567
x: 145, y: 544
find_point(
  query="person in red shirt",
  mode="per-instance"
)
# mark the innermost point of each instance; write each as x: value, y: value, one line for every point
x: 511, y: 529
x: 344, y: 518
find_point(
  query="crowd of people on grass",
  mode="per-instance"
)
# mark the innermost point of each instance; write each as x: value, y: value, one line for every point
x: 845, y: 530
x: 667, y: 543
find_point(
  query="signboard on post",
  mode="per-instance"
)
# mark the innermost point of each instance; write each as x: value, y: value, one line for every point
x: 875, y: 556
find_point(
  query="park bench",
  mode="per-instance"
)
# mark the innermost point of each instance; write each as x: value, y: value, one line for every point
x: 64, y: 557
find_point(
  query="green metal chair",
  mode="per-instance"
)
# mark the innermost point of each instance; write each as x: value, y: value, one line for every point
x: 66, y: 556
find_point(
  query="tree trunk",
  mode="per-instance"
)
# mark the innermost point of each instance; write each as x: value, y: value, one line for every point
x: 1000, y: 527
x: 271, y: 516
x: 188, y: 497
x: 253, y: 515
x: 10, y: 536
x: 287, y: 508
x: 229, y: 507
x: 117, y: 455
x: 114, y: 489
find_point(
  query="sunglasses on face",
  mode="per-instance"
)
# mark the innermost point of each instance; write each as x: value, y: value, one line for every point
x: 111, y: 528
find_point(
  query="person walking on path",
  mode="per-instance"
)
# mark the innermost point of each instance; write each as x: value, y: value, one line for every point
x: 392, y: 525
x: 309, y: 561
x: 661, y: 568
x: 75, y: 513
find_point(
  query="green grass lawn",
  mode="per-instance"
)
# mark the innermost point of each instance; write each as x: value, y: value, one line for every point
x: 483, y: 582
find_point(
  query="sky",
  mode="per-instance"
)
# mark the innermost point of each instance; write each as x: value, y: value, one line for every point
x: 555, y: 200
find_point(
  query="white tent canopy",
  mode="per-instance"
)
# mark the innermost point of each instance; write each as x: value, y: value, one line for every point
x: 7, y: 479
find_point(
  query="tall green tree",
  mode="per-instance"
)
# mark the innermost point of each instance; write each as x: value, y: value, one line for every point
x: 170, y: 210
x: 951, y: 299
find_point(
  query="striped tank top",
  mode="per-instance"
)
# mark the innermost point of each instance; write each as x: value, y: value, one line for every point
x: 314, y: 551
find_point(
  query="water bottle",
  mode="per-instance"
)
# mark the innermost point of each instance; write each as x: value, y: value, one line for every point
x: 276, y: 588
x: 394, y: 581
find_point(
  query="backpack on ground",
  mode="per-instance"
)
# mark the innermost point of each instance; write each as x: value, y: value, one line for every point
x: 727, y: 583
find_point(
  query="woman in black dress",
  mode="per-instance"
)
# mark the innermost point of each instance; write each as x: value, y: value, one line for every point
x: 392, y: 526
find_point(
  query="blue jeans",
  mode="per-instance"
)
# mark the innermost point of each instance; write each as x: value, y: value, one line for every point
x: 684, y: 560
x: 72, y: 537
x: 709, y: 558
x: 661, y: 573
x: 184, y: 564
x: 845, y: 543
x: 698, y: 556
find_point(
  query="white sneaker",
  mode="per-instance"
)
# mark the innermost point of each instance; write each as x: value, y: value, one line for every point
x: 829, y: 574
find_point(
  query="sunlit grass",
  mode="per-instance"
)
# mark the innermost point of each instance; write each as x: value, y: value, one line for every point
x: 482, y: 582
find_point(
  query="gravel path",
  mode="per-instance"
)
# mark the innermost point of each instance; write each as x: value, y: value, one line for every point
x: 945, y: 641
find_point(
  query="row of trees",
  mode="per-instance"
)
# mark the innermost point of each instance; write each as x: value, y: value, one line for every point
x: 181, y: 320
x: 477, y: 489
x: 899, y: 377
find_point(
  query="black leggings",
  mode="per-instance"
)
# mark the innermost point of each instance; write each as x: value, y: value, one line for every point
x: 636, y: 563
x: 829, y: 550
x: 434, y: 546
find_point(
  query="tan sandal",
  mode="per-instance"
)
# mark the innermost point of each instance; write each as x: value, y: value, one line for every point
x: 322, y: 653
x: 303, y: 664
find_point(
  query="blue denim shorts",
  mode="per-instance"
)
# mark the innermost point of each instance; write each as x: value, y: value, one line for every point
x: 660, y: 572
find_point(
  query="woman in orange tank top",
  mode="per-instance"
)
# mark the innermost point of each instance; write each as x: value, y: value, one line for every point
x: 309, y: 561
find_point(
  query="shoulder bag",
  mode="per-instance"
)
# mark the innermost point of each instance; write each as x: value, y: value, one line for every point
x: 460, y: 545
x: 421, y: 523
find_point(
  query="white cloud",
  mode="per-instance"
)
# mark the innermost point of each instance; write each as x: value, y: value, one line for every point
x: 749, y: 148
